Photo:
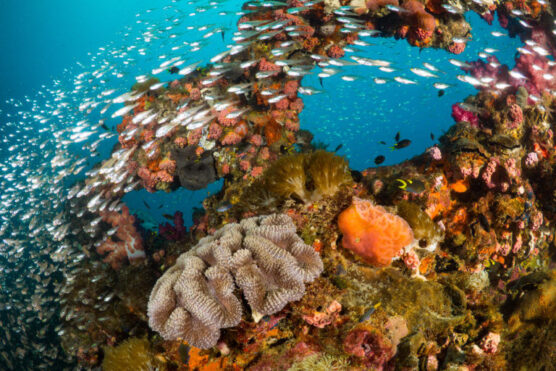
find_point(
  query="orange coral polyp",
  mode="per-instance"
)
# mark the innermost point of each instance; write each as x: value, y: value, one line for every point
x: 373, y: 233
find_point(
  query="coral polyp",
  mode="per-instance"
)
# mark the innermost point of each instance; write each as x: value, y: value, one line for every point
x: 286, y: 178
x: 328, y: 172
x: 306, y: 177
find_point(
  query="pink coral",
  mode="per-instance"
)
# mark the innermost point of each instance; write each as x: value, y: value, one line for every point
x: 297, y: 105
x: 283, y: 104
x: 323, y: 319
x: 215, y: 131
x: 411, y: 260
x: 180, y: 142
x: 148, y: 178
x: 168, y: 165
x: 129, y: 245
x: 371, y: 346
x: 194, y: 136
x: 532, y: 159
x: 335, y: 51
x: 164, y: 176
x: 256, y: 171
x: 435, y: 153
x: 493, y: 175
x: 459, y: 114
x: 264, y: 153
x: 511, y: 168
x: 222, y: 119
x: 456, y: 48
x: 195, y: 94
x: 256, y: 140
x: 290, y: 88
x: 292, y: 125
x: 244, y: 165
x: 231, y: 138
x: 516, y: 114
x: 265, y: 65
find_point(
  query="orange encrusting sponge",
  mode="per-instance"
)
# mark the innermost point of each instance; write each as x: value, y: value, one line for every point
x: 373, y: 233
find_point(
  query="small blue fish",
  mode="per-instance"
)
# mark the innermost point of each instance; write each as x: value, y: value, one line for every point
x: 223, y: 207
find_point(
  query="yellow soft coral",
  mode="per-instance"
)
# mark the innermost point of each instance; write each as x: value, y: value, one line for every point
x: 328, y: 172
x: 307, y: 177
x: 133, y: 354
x: 286, y: 177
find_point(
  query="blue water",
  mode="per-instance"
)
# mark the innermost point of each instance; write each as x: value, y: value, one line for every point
x: 59, y: 40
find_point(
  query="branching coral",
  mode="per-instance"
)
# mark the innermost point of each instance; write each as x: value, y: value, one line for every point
x: 195, y: 298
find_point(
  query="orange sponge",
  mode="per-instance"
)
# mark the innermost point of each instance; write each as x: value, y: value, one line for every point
x: 373, y: 233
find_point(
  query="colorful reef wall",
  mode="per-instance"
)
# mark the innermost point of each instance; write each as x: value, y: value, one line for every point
x: 443, y: 262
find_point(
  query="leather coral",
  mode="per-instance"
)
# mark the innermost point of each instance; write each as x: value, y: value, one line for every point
x: 261, y: 256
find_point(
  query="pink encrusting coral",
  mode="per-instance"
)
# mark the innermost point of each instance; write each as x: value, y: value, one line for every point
x: 290, y: 88
x: 265, y: 65
x: 129, y: 244
x: 224, y: 119
x: 335, y: 51
x: 516, y: 115
x: 149, y: 179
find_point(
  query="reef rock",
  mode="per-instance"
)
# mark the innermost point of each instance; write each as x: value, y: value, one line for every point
x: 194, y: 172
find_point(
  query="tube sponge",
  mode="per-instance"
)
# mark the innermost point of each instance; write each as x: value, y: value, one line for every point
x: 373, y: 233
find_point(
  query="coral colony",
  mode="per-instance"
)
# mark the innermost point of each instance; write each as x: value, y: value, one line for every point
x: 300, y: 262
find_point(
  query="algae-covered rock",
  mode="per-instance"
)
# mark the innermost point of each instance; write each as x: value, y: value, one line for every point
x: 133, y: 354
x: 424, y: 229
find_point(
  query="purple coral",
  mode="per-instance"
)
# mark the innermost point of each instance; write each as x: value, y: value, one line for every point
x: 176, y: 232
x: 265, y: 258
x: 459, y: 114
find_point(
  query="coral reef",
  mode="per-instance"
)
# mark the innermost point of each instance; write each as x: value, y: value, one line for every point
x: 455, y: 272
x: 263, y: 255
